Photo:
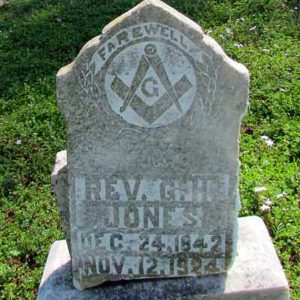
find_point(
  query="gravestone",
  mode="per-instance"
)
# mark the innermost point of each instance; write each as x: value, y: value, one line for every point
x: 148, y: 187
x: 153, y: 109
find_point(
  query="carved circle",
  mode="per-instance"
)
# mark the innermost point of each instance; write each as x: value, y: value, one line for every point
x: 171, y: 83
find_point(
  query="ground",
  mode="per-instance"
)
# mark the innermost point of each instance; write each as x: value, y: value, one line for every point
x: 37, y: 37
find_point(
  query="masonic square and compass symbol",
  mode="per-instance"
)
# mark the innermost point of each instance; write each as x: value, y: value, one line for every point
x: 151, y: 85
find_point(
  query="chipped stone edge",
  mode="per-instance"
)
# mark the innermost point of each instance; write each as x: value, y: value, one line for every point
x: 59, y: 182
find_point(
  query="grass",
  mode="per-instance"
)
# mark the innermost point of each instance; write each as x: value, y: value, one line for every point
x: 37, y: 37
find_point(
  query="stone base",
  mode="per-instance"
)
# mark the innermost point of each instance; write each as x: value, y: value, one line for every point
x: 256, y: 274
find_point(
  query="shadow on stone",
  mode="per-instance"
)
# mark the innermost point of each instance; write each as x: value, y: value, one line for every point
x: 60, y: 282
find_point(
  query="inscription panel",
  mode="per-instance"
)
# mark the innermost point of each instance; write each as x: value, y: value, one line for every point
x: 148, y: 227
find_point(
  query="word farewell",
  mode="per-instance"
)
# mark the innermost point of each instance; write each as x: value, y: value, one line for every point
x: 139, y: 33
x: 197, y: 188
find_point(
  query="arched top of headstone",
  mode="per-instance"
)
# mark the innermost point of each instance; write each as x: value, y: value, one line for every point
x: 171, y: 33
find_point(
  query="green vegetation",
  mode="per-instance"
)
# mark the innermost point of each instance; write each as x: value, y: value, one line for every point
x: 37, y: 37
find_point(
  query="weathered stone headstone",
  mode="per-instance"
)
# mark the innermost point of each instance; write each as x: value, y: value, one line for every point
x: 149, y: 189
x: 153, y: 109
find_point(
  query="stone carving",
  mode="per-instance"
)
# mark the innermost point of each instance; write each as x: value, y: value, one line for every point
x: 153, y: 98
x: 153, y: 109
